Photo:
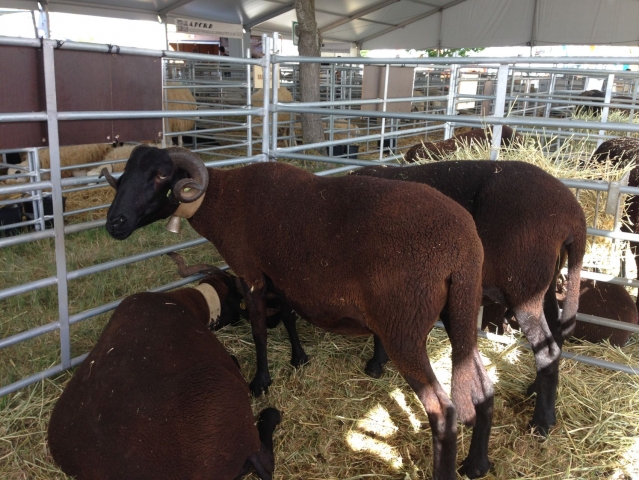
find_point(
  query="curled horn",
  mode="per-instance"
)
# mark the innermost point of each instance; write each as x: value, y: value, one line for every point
x: 186, y: 271
x: 106, y: 174
x: 188, y: 190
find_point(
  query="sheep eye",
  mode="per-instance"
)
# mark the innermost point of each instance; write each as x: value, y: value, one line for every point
x: 161, y: 176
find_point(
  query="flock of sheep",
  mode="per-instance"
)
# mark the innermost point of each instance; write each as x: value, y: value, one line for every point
x: 384, y: 251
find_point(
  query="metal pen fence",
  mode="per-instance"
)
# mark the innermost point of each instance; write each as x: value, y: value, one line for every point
x: 506, y: 92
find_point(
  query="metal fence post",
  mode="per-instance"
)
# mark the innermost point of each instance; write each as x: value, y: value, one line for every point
x: 56, y: 178
x: 450, y: 107
x: 605, y: 110
x: 266, y: 66
x: 500, y: 104
x: 381, y: 138
x: 274, y: 83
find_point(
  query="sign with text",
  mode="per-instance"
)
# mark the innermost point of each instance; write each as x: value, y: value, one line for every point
x: 208, y: 27
x: 258, y: 77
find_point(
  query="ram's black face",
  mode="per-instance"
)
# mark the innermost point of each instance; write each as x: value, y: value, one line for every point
x: 143, y: 192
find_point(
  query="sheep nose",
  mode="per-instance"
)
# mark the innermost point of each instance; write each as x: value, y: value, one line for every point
x: 116, y: 222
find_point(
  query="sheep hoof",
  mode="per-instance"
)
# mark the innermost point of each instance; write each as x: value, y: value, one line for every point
x: 474, y: 471
x: 374, y: 369
x: 541, y: 428
x: 299, y: 361
x: 259, y: 385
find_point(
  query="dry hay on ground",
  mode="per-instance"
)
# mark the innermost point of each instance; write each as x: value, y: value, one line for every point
x: 340, y: 424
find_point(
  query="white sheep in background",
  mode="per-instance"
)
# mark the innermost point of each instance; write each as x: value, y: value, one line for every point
x: 180, y: 99
x: 69, y: 156
x: 257, y: 101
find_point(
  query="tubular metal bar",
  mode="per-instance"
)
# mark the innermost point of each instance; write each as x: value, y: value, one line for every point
x: 471, y: 119
x: 500, y: 104
x: 606, y: 109
x: 602, y: 277
x: 266, y: 42
x: 73, y: 275
x: 606, y: 322
x: 50, y: 372
x: 473, y: 61
x: 341, y: 161
x: 56, y: 190
x: 157, y: 114
x: 275, y: 77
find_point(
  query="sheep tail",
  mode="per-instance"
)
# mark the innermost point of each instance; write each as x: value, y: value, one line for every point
x: 574, y: 248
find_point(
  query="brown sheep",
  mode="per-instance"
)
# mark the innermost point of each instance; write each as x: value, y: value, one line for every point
x: 437, y: 150
x: 524, y: 217
x: 599, y: 299
x: 599, y: 96
x: 159, y: 397
x: 352, y: 255
x: 605, y: 300
x: 229, y: 289
x: 625, y: 150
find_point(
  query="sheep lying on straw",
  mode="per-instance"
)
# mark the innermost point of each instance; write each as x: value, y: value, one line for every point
x: 69, y: 156
x: 475, y: 136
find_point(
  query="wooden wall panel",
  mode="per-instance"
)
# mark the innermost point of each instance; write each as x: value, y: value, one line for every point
x: 83, y: 84
x: 85, y: 81
x: 21, y: 90
x: 137, y: 85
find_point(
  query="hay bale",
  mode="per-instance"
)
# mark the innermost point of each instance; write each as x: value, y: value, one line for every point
x: 257, y: 101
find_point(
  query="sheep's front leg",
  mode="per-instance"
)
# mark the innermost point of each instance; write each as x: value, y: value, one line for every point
x: 289, y: 319
x: 256, y: 305
x: 375, y: 366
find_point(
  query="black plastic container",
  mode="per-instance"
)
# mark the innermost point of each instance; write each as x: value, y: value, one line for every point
x: 349, y: 150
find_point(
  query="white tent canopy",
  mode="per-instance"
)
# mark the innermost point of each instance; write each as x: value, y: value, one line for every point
x: 418, y: 24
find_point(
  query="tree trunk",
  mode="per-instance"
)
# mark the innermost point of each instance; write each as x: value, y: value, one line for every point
x: 310, y: 44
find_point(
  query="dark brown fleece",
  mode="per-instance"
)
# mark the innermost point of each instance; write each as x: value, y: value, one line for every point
x: 524, y: 217
x: 625, y: 150
x: 157, y: 397
x: 437, y: 150
x: 605, y: 300
x: 359, y: 256
x: 599, y: 299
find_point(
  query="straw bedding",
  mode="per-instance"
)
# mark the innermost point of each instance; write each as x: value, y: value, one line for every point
x: 340, y: 424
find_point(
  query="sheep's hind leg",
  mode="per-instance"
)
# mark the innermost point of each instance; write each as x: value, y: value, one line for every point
x: 547, y: 354
x: 412, y: 362
x: 257, y: 310
x: 289, y: 319
x: 375, y: 366
x: 471, y: 384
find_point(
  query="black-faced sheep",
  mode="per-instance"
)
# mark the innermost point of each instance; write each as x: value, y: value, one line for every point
x: 524, y: 217
x: 437, y: 150
x: 353, y: 255
x: 159, y: 397
x: 230, y: 288
x: 599, y: 299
